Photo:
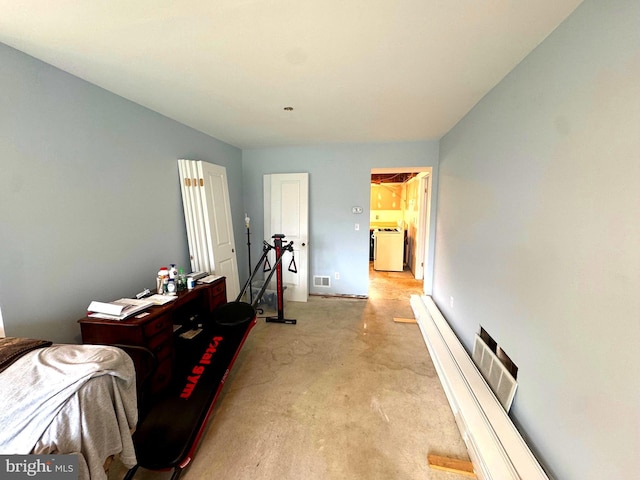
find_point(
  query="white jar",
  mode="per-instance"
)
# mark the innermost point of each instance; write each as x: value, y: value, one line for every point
x: 171, y: 287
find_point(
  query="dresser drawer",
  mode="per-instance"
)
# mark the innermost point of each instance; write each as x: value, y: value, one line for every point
x: 161, y: 346
x: 217, y: 295
x: 218, y: 289
x: 157, y: 326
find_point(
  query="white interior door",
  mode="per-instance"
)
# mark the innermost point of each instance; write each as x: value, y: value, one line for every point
x: 185, y: 186
x: 422, y: 228
x: 425, y: 219
x: 219, y: 232
x: 286, y: 208
x: 192, y: 204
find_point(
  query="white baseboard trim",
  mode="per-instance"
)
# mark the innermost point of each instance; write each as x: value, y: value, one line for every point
x: 496, y: 448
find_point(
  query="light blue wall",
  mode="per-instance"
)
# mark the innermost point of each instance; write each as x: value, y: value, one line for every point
x: 538, y: 238
x: 90, y: 202
x: 339, y: 178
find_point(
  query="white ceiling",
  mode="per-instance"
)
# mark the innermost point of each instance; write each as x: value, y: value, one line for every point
x: 354, y: 70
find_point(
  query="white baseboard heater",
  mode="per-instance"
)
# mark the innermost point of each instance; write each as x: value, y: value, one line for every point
x: 496, y: 448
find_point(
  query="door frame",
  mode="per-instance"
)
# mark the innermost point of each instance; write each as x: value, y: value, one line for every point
x: 424, y: 247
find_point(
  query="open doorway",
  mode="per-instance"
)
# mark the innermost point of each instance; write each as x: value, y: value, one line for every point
x: 399, y: 223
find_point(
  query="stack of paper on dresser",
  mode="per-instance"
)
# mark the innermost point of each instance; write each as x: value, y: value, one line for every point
x: 118, y: 309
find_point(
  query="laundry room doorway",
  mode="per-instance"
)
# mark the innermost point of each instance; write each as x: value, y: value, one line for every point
x: 399, y: 224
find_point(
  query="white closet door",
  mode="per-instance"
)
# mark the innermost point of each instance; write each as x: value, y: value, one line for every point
x: 218, y: 231
x: 186, y: 182
x: 204, y: 260
x: 207, y: 212
x: 194, y: 220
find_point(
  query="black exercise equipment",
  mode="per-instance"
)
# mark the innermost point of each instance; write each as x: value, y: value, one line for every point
x: 169, y: 430
x: 280, y: 249
x: 247, y: 222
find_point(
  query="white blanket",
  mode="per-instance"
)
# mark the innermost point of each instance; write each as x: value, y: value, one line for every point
x: 50, y: 404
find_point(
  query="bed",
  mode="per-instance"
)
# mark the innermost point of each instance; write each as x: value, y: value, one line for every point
x: 62, y: 399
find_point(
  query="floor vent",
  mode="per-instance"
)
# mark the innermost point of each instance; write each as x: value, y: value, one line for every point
x: 495, y: 373
x: 321, y: 281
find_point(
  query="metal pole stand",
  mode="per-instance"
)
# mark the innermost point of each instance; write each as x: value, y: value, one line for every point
x: 277, y: 243
x: 249, y: 255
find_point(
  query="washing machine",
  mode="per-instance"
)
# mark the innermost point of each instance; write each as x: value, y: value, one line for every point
x: 388, y: 249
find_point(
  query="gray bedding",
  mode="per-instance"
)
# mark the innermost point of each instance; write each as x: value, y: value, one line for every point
x: 70, y: 399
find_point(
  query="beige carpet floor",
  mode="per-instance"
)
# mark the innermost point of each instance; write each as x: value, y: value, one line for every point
x: 347, y: 393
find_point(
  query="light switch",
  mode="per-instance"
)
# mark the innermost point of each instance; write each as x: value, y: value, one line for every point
x: 357, y: 227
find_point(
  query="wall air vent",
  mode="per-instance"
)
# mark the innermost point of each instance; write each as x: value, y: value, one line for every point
x: 495, y: 373
x: 321, y: 281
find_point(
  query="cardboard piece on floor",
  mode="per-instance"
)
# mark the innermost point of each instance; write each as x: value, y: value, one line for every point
x: 404, y: 320
x: 452, y: 465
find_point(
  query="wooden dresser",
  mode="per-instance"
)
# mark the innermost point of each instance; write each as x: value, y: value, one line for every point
x: 151, y: 331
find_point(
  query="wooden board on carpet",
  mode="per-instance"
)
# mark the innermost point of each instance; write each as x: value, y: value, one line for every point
x: 404, y: 320
x: 452, y: 465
